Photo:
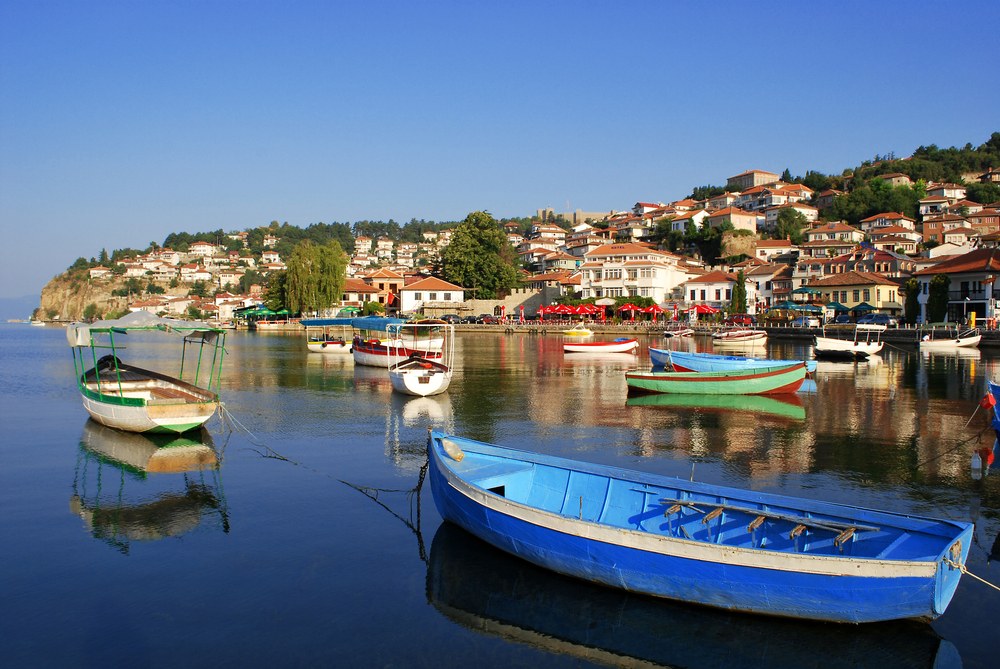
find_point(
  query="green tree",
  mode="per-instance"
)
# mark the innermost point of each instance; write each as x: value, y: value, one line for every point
x: 200, y: 289
x: 479, y: 257
x: 90, y: 312
x: 738, y: 303
x: 315, y: 276
x: 937, y: 300
x: 911, y: 307
x: 791, y: 224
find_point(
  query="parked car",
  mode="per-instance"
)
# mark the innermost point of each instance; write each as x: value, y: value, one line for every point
x: 842, y: 319
x: 805, y: 322
x: 740, y: 319
x: 879, y: 319
x: 451, y: 318
x: 487, y: 319
x: 469, y: 320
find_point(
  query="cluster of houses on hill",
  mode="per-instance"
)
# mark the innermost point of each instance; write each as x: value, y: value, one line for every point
x: 613, y: 255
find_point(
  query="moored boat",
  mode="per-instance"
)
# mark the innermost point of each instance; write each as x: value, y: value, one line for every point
x: 375, y: 346
x: 620, y: 345
x: 419, y: 375
x: 742, y: 337
x: 687, y: 361
x: 578, y: 331
x: 328, y: 335
x: 865, y: 340
x: 678, y: 331
x: 723, y: 547
x: 776, y: 380
x: 131, y: 398
x: 966, y: 339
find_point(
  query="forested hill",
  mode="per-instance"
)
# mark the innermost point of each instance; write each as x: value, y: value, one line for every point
x: 865, y: 194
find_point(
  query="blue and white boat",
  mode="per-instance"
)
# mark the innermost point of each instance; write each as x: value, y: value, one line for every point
x: 683, y: 361
x: 723, y: 547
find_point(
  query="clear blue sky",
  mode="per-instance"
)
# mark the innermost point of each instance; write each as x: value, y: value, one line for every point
x: 121, y: 122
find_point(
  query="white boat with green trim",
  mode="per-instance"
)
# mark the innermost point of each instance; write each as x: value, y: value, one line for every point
x: 134, y: 399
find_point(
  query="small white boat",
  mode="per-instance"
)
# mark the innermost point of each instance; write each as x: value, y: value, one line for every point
x: 620, y: 345
x: 743, y: 337
x: 418, y: 374
x: 130, y: 398
x: 967, y: 339
x: 678, y: 332
x: 328, y: 335
x: 866, y: 341
x: 578, y: 331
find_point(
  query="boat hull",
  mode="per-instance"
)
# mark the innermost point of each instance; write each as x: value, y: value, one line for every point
x: 828, y: 588
x: 625, y: 346
x: 775, y: 380
x: 333, y: 346
x: 950, y: 344
x: 420, y: 377
x: 157, y: 419
x: 827, y: 347
x: 681, y: 361
x: 382, y: 355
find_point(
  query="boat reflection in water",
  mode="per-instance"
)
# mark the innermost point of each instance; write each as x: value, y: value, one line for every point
x: 134, y: 487
x: 783, y: 406
x: 487, y: 591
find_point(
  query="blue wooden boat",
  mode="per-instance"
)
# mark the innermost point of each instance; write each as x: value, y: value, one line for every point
x: 684, y: 361
x: 489, y: 592
x: 723, y: 547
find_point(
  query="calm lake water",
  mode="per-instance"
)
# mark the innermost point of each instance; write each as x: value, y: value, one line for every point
x: 308, y: 546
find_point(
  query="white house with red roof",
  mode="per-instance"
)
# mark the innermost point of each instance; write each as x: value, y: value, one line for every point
x: 100, y: 272
x: 810, y: 213
x: 972, y: 278
x: 202, y: 249
x: 768, y: 248
x: 740, y: 220
x: 632, y: 270
x: 886, y: 219
x: 430, y: 291
x: 716, y: 289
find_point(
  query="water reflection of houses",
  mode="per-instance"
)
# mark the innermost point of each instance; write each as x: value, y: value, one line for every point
x: 131, y: 487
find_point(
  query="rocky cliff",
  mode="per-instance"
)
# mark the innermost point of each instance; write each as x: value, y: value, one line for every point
x: 65, y: 298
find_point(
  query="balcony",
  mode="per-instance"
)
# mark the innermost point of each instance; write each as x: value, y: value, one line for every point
x: 960, y: 295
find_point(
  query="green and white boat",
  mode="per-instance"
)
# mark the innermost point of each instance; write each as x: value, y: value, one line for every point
x: 774, y: 380
x: 134, y: 399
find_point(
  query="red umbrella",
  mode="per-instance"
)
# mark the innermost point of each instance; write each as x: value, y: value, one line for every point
x: 702, y: 309
x: 628, y: 306
x: 654, y: 309
x: 562, y: 309
x: 585, y: 309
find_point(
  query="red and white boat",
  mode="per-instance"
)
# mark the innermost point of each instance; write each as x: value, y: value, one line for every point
x: 620, y: 345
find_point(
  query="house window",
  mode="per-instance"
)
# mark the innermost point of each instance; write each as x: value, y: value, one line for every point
x: 867, y: 295
x: 417, y: 296
x: 857, y: 296
x: 447, y: 297
x: 693, y: 294
x: 432, y: 297
x: 703, y: 291
x: 718, y: 294
x: 729, y: 293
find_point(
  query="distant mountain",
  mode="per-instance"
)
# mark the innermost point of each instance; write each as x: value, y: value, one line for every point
x: 17, y: 307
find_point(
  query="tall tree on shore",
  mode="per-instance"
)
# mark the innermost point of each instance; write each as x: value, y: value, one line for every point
x: 738, y: 303
x: 315, y: 276
x: 937, y: 299
x: 479, y: 257
x: 911, y: 308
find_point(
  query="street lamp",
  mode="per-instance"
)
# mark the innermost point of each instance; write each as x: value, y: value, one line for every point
x: 965, y: 310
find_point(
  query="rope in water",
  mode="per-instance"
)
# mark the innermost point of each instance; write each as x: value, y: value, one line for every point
x: 964, y: 570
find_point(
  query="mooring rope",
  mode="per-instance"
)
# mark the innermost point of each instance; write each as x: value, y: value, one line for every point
x: 965, y: 570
